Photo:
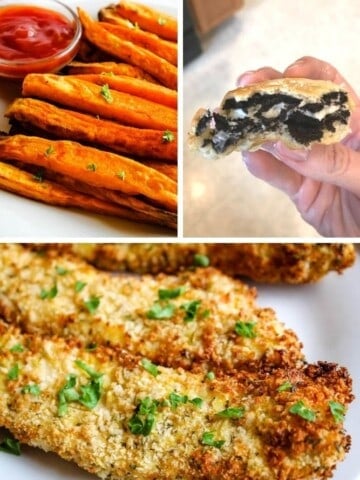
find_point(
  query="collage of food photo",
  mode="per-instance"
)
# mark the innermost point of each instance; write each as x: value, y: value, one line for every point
x: 179, y: 240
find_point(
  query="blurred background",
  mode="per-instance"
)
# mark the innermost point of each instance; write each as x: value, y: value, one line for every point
x: 223, y: 39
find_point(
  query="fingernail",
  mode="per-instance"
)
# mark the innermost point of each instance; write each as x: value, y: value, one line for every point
x: 244, y: 78
x: 281, y: 151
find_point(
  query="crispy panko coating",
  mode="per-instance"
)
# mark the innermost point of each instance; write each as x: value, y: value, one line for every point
x: 170, y: 424
x: 262, y: 262
x: 199, y: 318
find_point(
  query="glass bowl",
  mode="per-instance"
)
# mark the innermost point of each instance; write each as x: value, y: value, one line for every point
x: 47, y: 62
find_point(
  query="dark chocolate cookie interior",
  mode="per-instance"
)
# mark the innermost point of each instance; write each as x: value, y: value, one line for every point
x: 271, y: 112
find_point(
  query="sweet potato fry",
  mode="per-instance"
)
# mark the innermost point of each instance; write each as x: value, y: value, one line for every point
x: 148, y: 19
x: 170, y: 171
x: 101, y: 101
x: 70, y: 125
x: 156, y: 66
x: 154, y: 214
x: 75, y: 68
x: 134, y: 86
x: 94, y: 167
x: 15, y: 180
x: 127, y: 31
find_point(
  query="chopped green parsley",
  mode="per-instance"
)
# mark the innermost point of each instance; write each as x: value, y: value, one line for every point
x: 106, y: 93
x: 121, y: 175
x: 17, y: 348
x: 168, y: 136
x: 285, y: 387
x: 13, y: 373
x: 232, y: 412
x: 210, y: 376
x: 161, y: 312
x: 208, y: 439
x: 10, y: 445
x: 91, y: 167
x: 79, y: 286
x: 49, y: 151
x: 49, y: 294
x: 150, y: 367
x: 31, y: 389
x: 337, y: 411
x: 61, y: 271
x: 143, y: 420
x: 201, y: 260
x: 245, y: 329
x: 168, y: 294
x: 191, y: 309
x: 300, y: 409
x: 92, y: 304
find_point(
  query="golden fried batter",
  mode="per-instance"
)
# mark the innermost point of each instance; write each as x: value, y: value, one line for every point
x: 198, y: 318
x: 262, y: 262
x: 142, y: 423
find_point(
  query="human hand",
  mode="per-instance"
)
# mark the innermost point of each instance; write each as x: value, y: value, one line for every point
x: 324, y: 181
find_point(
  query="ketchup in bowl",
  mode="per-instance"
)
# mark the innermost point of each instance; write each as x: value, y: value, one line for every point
x: 36, y: 39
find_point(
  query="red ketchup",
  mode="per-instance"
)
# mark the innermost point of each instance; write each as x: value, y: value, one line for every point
x: 32, y: 39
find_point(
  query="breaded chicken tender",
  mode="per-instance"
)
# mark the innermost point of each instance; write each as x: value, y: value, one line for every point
x: 197, y: 319
x: 262, y: 262
x: 122, y: 418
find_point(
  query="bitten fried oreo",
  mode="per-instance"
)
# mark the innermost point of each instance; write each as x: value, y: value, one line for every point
x: 297, y: 111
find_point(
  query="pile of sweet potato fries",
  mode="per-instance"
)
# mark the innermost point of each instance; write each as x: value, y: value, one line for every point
x: 102, y: 135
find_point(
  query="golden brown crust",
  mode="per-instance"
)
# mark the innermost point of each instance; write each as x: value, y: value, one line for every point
x: 267, y: 442
x: 262, y: 262
x: 208, y: 339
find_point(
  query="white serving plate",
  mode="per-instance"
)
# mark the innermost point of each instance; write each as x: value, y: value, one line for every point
x: 24, y: 218
x: 326, y: 318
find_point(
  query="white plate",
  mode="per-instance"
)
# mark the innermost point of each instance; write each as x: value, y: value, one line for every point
x: 326, y: 318
x: 24, y: 218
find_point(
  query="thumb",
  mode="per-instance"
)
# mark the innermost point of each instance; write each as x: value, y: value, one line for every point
x: 335, y: 164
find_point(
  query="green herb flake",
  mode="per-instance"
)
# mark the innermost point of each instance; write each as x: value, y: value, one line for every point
x: 10, y: 445
x: 79, y: 286
x: 210, y: 376
x: 143, y: 420
x: 168, y: 294
x: 91, y: 167
x: 232, y: 412
x: 106, y: 93
x: 245, y: 329
x: 91, y: 393
x: 168, y: 136
x: 39, y: 175
x: 191, y: 309
x: 121, y: 175
x: 201, y: 260
x: 205, y: 314
x: 31, y: 389
x: 175, y: 399
x: 337, y: 411
x: 17, y: 348
x: 162, y: 21
x: 49, y: 294
x: 61, y: 271
x: 208, y: 440
x: 161, y: 312
x: 300, y: 409
x: 87, y: 369
x: 197, y: 401
x: 92, y: 304
x: 67, y: 394
x: 285, y: 387
x: 13, y: 373
x: 150, y: 367
x: 108, y: 74
x: 49, y: 151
